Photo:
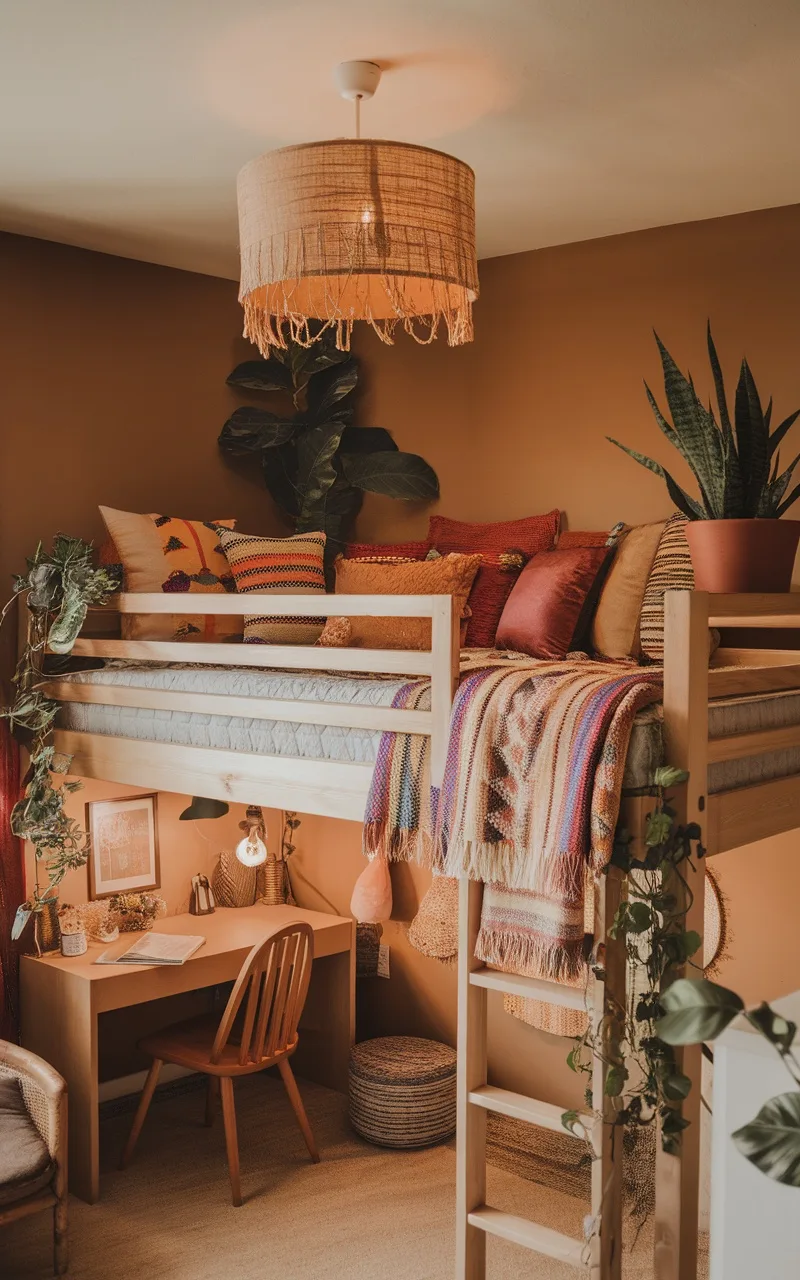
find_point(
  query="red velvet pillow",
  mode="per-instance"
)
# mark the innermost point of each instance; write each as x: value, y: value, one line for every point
x: 506, y: 546
x: 548, y: 611
x: 387, y: 553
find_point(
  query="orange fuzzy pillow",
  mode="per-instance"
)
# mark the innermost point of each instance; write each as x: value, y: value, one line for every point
x: 448, y: 575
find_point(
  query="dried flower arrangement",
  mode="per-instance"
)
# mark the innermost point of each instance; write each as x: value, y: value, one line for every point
x: 134, y: 911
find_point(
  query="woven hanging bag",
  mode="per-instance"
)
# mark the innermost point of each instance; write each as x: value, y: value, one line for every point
x: 434, y: 929
x: 233, y: 883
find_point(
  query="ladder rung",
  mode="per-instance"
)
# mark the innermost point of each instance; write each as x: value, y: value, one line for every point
x: 532, y: 988
x: 521, y: 1107
x: 528, y: 1234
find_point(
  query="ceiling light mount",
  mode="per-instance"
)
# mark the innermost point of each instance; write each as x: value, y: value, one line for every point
x: 357, y: 80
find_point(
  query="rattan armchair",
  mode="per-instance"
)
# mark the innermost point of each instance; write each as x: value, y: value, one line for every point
x: 45, y: 1095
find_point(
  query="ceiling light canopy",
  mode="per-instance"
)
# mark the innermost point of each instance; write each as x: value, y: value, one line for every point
x: 356, y: 229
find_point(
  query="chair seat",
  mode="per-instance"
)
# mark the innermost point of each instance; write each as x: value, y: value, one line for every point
x: 25, y: 1164
x: 189, y: 1044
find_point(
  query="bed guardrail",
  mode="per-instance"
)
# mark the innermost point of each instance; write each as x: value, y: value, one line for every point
x: 339, y: 784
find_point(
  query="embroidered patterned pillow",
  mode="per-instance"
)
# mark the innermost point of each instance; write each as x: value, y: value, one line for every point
x: 505, y: 547
x: 289, y: 566
x: 671, y: 571
x: 166, y: 553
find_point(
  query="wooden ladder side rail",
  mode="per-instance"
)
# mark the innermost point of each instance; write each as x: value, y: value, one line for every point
x: 474, y: 1218
x: 686, y: 688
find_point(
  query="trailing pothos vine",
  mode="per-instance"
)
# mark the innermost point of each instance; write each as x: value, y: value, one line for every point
x: 59, y: 587
x: 642, y: 1075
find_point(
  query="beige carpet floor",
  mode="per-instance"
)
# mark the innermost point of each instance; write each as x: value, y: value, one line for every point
x: 364, y: 1213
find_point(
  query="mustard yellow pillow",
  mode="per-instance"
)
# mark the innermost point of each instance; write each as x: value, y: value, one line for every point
x: 165, y: 553
x: 447, y: 575
x: 615, y: 629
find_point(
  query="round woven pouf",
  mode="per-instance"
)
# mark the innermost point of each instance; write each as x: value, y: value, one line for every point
x: 403, y: 1091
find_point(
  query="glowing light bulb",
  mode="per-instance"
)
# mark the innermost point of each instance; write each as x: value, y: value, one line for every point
x: 366, y: 216
x: 252, y: 851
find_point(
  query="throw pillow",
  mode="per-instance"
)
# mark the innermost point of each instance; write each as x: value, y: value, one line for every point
x: 388, y: 552
x: 547, y: 613
x: 672, y: 571
x: 615, y: 629
x: 505, y: 546
x: 166, y: 553
x: 581, y: 538
x: 449, y: 575
x: 289, y: 566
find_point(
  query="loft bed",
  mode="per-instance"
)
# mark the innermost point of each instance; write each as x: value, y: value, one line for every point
x: 730, y: 817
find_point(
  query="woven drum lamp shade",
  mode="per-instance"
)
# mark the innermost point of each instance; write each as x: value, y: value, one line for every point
x: 356, y: 229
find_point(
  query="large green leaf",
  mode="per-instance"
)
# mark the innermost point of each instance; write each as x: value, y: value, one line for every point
x: 261, y: 375
x: 250, y: 430
x: 780, y: 431
x: 697, y: 435
x: 772, y: 495
x: 689, y: 506
x: 280, y: 476
x: 316, y: 449
x: 696, y: 1010
x: 396, y: 474
x: 367, y: 440
x: 772, y: 1140
x: 752, y: 438
x: 328, y: 387
x: 790, y: 501
x: 719, y: 382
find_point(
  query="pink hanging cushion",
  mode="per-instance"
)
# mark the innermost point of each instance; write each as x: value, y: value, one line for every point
x: 372, y: 893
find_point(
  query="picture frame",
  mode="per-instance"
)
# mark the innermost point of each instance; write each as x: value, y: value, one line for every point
x: 124, y: 854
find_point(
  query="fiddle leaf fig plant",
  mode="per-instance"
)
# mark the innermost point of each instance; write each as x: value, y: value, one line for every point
x: 736, y: 462
x: 316, y: 464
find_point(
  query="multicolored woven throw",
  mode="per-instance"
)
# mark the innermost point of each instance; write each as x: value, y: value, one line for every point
x: 529, y: 801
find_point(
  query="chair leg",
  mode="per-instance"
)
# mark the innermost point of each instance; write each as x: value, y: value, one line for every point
x: 231, y: 1141
x: 141, y: 1111
x: 60, y: 1237
x: 212, y: 1093
x: 290, y: 1084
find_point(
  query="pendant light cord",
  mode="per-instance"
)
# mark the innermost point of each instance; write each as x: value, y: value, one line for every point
x: 358, y: 115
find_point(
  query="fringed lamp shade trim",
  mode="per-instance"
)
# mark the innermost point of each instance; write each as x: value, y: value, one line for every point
x: 335, y: 232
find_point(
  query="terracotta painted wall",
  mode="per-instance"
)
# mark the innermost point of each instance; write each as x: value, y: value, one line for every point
x: 514, y: 424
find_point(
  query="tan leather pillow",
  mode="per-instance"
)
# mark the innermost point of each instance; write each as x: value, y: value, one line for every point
x: 448, y: 575
x: 166, y: 553
x: 615, y: 628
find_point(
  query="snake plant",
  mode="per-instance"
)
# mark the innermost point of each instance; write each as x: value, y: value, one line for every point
x: 736, y: 463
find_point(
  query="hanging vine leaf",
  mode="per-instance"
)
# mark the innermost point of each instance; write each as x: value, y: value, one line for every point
x: 772, y: 1140
x: 696, y: 1010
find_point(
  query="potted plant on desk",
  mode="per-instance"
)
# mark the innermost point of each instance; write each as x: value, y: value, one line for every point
x: 737, y: 540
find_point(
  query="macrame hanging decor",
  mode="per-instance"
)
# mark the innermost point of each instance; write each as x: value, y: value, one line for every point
x: 356, y: 229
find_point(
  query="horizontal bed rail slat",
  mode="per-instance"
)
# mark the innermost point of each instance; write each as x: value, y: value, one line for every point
x: 272, y: 604
x: 754, y: 609
x: 737, y: 746
x: 341, y: 714
x: 746, y: 814
x: 295, y: 657
x: 331, y: 788
x: 752, y: 671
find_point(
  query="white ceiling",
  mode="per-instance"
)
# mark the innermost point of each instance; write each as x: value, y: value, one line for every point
x: 124, y: 122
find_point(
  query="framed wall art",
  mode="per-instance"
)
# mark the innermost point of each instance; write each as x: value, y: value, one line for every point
x: 124, y: 846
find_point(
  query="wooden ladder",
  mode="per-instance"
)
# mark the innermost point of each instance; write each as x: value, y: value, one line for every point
x: 474, y: 1217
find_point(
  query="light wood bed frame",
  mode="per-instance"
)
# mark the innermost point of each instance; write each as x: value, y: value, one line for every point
x: 729, y: 820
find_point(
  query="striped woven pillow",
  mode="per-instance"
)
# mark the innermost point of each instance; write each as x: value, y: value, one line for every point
x: 286, y: 565
x: 671, y: 571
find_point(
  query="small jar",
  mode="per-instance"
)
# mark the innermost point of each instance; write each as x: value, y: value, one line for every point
x: 73, y: 944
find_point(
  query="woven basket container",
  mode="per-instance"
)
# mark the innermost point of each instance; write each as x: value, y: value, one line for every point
x: 272, y: 881
x: 403, y: 1091
x: 232, y: 883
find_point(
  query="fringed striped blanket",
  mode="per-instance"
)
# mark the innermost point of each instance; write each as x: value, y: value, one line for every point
x: 529, y: 800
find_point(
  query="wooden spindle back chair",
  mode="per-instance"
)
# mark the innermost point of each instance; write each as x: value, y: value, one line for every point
x: 258, y: 1029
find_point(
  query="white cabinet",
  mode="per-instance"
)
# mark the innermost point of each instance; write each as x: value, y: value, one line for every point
x: 755, y: 1222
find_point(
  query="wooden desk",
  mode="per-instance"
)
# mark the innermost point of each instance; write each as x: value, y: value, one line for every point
x: 62, y: 999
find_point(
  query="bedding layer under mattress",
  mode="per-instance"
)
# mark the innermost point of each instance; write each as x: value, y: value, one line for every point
x: 321, y: 742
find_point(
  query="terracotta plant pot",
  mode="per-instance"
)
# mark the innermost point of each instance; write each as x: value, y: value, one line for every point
x: 743, y: 555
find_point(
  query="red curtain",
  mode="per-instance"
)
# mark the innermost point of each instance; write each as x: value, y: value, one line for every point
x: 12, y: 885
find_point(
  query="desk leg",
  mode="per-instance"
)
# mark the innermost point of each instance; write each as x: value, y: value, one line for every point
x: 59, y: 1023
x: 327, y: 1027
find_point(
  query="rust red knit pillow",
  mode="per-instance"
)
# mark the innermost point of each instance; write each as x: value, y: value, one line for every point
x: 506, y: 546
x: 387, y: 552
